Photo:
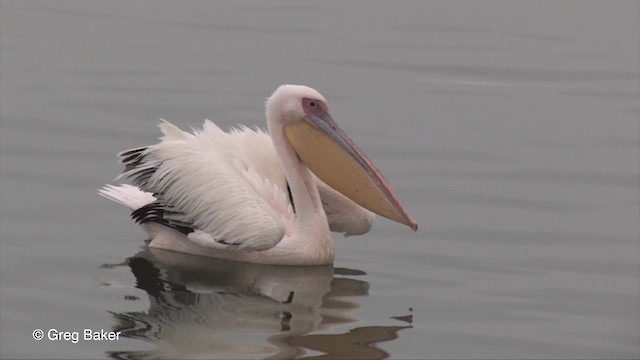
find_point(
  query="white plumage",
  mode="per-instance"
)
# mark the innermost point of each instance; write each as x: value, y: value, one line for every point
x: 205, y: 176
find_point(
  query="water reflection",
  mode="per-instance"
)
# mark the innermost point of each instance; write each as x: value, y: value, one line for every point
x: 201, y: 307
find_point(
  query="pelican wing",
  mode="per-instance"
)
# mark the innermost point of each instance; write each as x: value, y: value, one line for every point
x: 221, y: 185
x: 344, y: 215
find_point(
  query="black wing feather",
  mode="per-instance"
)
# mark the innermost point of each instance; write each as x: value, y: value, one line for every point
x: 159, y: 213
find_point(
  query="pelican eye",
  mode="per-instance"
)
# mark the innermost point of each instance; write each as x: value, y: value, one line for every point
x: 313, y: 106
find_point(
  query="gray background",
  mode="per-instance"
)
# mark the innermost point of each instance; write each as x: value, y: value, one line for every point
x: 509, y: 129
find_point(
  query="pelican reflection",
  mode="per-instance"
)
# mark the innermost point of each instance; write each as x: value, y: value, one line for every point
x: 203, y: 307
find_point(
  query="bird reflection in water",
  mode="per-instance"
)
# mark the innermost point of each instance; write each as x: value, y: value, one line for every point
x: 202, y: 307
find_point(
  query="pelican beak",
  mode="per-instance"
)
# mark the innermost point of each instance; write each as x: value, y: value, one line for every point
x: 327, y: 151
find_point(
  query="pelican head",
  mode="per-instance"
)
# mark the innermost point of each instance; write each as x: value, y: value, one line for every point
x: 302, y: 114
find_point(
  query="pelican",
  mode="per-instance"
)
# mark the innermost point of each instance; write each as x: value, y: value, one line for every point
x: 251, y: 196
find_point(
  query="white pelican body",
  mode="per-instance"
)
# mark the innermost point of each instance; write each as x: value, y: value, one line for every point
x: 251, y: 196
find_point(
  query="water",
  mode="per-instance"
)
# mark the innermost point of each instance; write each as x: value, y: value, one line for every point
x: 509, y: 129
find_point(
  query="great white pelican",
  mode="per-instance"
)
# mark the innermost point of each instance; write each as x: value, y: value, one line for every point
x: 252, y: 196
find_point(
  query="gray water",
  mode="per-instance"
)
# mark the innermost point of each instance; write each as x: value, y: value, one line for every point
x: 509, y: 130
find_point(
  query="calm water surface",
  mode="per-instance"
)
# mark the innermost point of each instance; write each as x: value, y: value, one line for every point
x: 509, y: 129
